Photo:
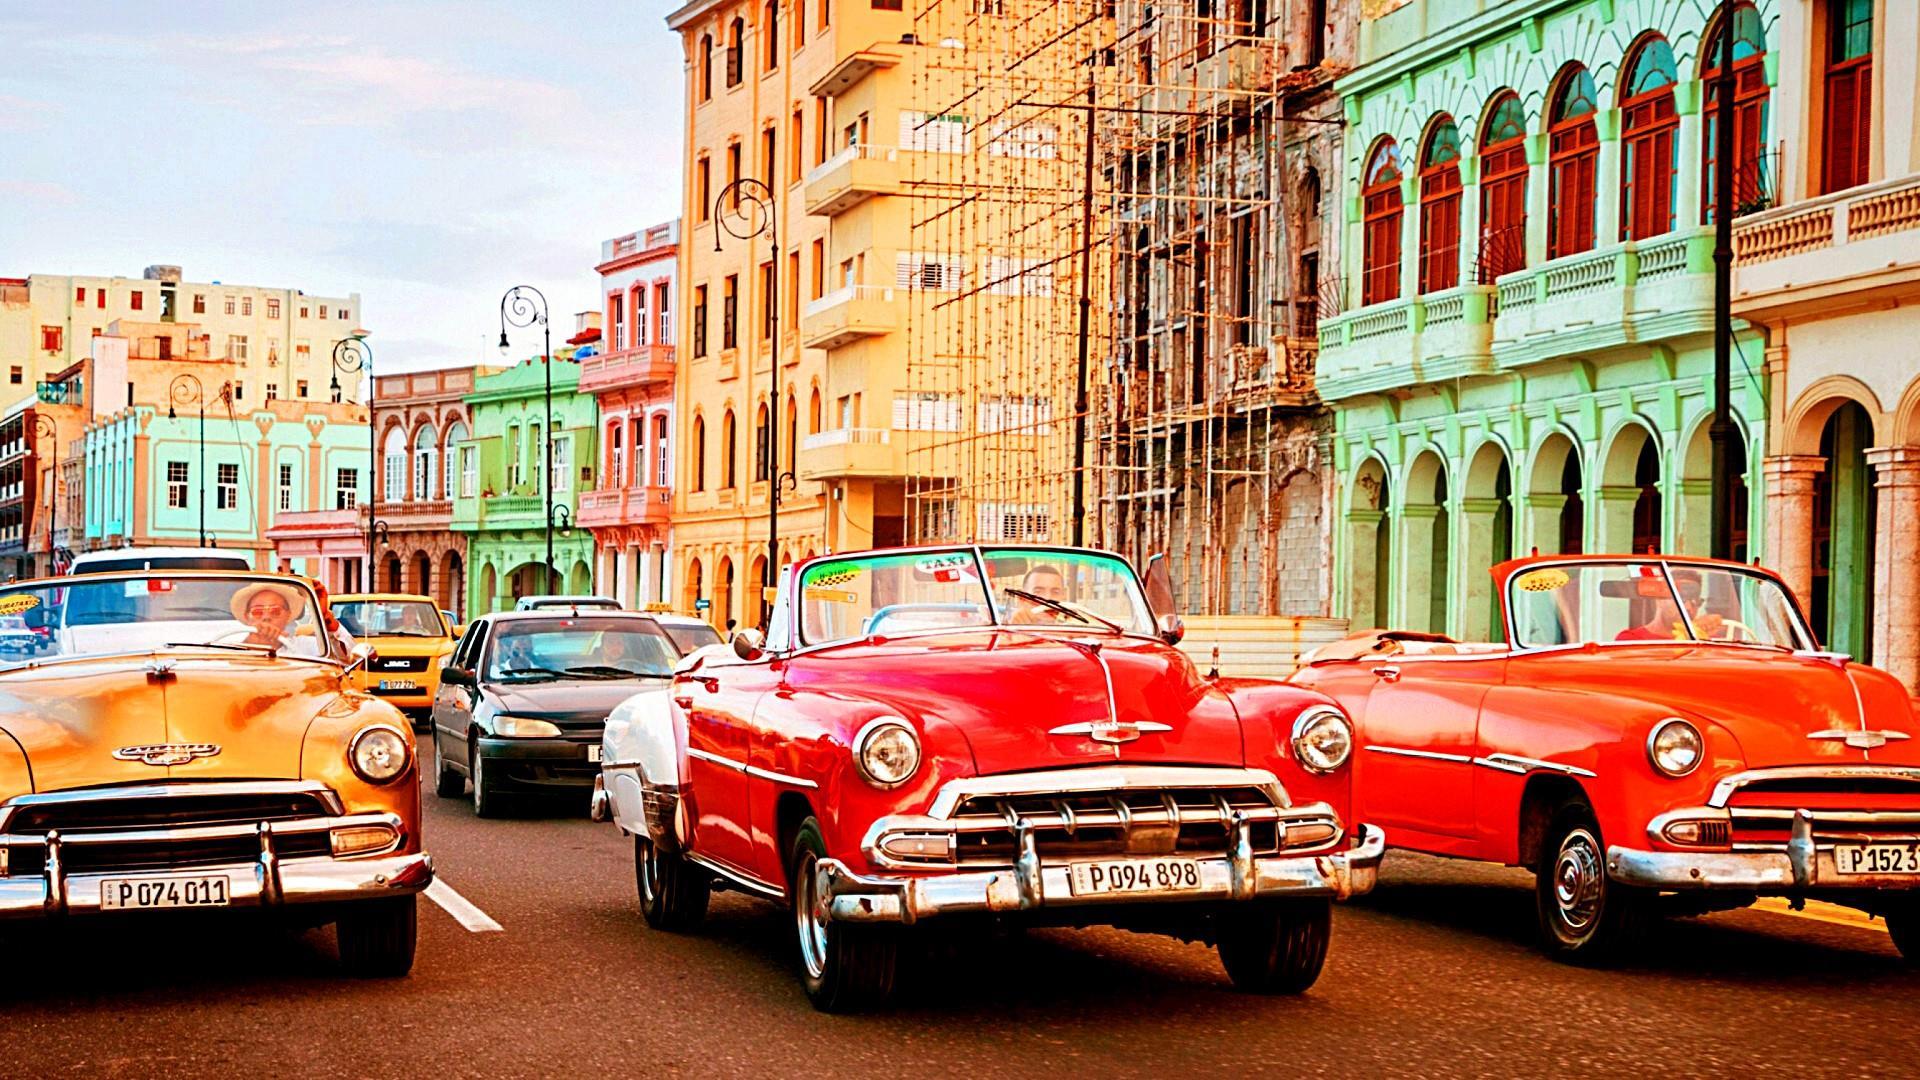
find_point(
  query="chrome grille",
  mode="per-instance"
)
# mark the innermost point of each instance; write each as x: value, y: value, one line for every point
x: 1081, y: 824
x: 1844, y: 808
x: 109, y: 811
x: 163, y: 826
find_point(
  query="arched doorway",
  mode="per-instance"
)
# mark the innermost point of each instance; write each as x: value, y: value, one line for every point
x: 1369, y: 543
x: 529, y: 579
x: 580, y: 578
x: 754, y: 605
x: 452, y: 585
x: 693, y: 586
x: 723, y: 616
x: 391, y: 577
x: 423, y: 573
x: 1843, y: 535
x: 489, y: 588
x: 1426, y: 545
x: 1556, y: 508
x: 1486, y: 539
x: 1632, y: 510
x: 1694, y: 498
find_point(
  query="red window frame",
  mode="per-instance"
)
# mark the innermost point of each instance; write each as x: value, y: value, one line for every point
x: 1503, y: 206
x: 1749, y: 125
x: 1847, y: 136
x: 1380, y: 277
x: 1573, y: 148
x: 1439, y: 217
x: 1646, y: 166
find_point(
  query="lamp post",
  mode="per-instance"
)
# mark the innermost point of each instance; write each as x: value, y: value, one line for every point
x: 1720, y: 430
x: 755, y: 212
x: 178, y: 391
x: 524, y: 305
x: 351, y: 354
x: 45, y: 427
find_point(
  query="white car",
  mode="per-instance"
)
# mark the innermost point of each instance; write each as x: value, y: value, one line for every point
x: 551, y: 603
x: 688, y: 632
x: 158, y: 558
x: 17, y: 638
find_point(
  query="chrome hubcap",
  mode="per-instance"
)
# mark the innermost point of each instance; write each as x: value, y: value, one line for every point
x: 810, y: 918
x: 1578, y: 881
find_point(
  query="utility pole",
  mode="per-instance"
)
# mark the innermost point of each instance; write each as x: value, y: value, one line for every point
x: 1080, y: 403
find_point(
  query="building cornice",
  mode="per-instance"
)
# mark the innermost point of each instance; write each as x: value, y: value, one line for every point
x: 622, y: 262
x: 678, y: 19
x: 1495, y: 22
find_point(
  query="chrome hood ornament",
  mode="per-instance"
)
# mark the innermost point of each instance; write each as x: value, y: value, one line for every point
x: 1860, y: 740
x: 1112, y: 732
x: 161, y: 754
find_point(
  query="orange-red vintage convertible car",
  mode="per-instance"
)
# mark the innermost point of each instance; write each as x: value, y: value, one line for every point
x: 1657, y: 733
x: 939, y: 736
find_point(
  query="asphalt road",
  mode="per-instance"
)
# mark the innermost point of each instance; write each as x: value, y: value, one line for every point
x: 1433, y: 975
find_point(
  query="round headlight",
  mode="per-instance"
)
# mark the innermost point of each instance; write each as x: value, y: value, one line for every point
x: 1322, y: 739
x: 378, y: 754
x: 887, y: 751
x: 523, y: 727
x: 1675, y: 747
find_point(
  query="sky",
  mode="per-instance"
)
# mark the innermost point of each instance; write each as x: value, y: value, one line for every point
x: 427, y: 155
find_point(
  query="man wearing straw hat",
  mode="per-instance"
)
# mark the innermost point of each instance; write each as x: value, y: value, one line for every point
x: 267, y: 608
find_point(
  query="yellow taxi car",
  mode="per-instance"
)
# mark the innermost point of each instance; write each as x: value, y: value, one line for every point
x: 409, y: 636
x: 192, y: 740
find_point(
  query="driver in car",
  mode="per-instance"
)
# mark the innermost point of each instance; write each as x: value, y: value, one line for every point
x: 267, y: 610
x: 1047, y: 583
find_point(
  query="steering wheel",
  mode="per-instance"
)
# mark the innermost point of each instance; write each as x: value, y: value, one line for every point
x: 239, y: 637
x: 1734, y: 630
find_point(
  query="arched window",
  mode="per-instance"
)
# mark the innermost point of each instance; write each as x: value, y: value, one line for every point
x: 1648, y: 123
x: 792, y: 420
x: 449, y: 460
x: 728, y: 443
x: 813, y: 413
x: 705, y: 66
x: 1752, y: 186
x: 1848, y: 133
x: 1380, y: 280
x: 393, y: 477
x: 770, y: 35
x: 1573, y: 145
x: 617, y: 455
x: 736, y: 33
x: 699, y: 453
x: 761, y: 449
x: 425, y: 442
x: 1503, y: 189
x: 1440, y: 207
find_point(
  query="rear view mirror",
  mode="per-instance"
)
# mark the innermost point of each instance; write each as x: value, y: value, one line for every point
x: 1159, y: 584
x: 456, y: 676
x: 1172, y: 630
x: 748, y: 644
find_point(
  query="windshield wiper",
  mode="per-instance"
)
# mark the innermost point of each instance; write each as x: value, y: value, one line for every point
x: 538, y: 672
x: 229, y: 645
x: 607, y: 671
x: 1087, y: 617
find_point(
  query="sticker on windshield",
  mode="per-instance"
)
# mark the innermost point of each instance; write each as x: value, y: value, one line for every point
x: 833, y: 574
x: 948, y: 568
x: 832, y: 596
x: 14, y: 605
x: 1541, y: 581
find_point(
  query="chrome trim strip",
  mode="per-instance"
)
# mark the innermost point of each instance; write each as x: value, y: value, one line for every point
x: 1514, y: 763
x: 1401, y: 751
x: 716, y: 759
x: 1105, y: 778
x: 169, y: 790
x: 735, y: 877
x: 1723, y: 791
x: 295, y: 827
x: 1861, y: 739
x: 779, y: 778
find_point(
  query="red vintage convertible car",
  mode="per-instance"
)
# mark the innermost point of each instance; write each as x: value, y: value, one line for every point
x: 1656, y: 734
x: 938, y: 737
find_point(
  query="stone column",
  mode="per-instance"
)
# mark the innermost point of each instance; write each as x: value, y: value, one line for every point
x: 1411, y: 567
x: 1896, y: 615
x: 1789, y: 480
x: 1474, y: 614
x: 1364, y: 593
x: 1540, y: 523
x: 623, y: 575
x: 1694, y: 532
x: 1606, y: 179
x: 1613, y: 508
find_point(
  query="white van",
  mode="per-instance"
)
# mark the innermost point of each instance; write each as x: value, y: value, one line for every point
x: 157, y: 558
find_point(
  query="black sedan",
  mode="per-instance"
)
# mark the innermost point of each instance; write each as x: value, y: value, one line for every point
x: 525, y: 694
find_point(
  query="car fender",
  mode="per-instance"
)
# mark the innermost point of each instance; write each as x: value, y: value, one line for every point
x: 640, y: 765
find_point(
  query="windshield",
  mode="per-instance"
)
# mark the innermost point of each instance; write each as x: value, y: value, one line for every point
x: 689, y: 637
x: 90, y: 616
x: 1651, y: 601
x: 389, y: 618
x: 160, y: 562
x: 861, y: 596
x: 585, y: 648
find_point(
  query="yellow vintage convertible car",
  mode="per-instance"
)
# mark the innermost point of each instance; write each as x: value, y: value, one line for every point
x: 192, y: 740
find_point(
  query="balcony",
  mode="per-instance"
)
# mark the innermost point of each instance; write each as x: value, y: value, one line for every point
x: 1798, y: 259
x: 1608, y: 298
x: 851, y: 177
x: 844, y: 453
x: 849, y: 314
x: 649, y: 505
x: 514, y: 511
x: 415, y: 514
x: 628, y: 369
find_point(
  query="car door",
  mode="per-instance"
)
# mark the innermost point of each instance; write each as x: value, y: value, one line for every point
x: 1416, y: 720
x: 453, y: 704
x: 717, y: 695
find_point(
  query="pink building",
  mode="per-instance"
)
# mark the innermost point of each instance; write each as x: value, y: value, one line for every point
x: 630, y: 373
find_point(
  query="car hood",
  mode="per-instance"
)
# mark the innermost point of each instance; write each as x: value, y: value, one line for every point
x: 566, y: 700
x: 408, y: 645
x: 1006, y: 691
x: 71, y: 716
x: 1769, y: 701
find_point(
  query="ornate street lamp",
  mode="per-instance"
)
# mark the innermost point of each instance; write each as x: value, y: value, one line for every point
x: 524, y: 305
x: 186, y: 388
x: 754, y: 213
x: 353, y: 354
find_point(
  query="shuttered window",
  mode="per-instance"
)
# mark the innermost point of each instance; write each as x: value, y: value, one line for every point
x: 944, y: 133
x: 1380, y: 275
x: 1848, y: 130
x: 926, y: 410
x: 1440, y: 207
x: 1573, y: 147
x: 923, y: 271
x: 1649, y: 122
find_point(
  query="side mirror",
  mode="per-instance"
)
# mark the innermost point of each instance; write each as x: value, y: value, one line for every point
x: 360, y: 656
x: 1172, y: 630
x: 456, y: 676
x: 1158, y: 583
x: 748, y: 644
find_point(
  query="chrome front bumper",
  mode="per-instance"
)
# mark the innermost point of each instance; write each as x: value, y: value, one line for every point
x: 1805, y: 863
x: 1029, y: 884
x: 264, y: 881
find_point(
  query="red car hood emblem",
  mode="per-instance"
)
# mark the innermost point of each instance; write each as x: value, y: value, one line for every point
x: 1110, y: 731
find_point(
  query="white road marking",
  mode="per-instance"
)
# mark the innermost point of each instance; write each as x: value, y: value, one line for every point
x: 1822, y: 912
x: 461, y: 908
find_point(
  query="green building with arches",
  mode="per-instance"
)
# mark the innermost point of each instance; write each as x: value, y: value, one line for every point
x: 499, y: 499
x: 1526, y: 357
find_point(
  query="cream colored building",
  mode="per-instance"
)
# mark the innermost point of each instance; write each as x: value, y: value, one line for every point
x: 280, y: 341
x: 925, y: 287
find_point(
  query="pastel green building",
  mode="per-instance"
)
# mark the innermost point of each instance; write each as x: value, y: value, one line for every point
x: 499, y: 498
x: 1526, y: 358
